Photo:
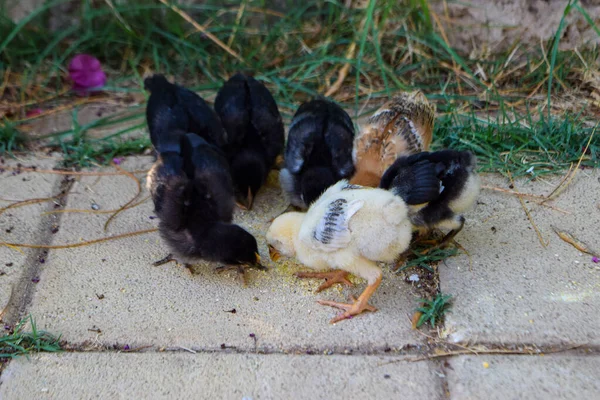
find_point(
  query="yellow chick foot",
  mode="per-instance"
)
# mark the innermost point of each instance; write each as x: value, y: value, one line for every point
x: 359, y: 306
x: 331, y: 278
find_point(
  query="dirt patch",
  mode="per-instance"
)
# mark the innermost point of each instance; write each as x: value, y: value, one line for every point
x: 497, y: 25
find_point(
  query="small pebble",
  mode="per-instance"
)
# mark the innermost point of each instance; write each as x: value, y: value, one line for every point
x: 95, y: 207
x: 387, y: 376
x: 9, y: 264
x: 414, y: 278
x: 35, y: 280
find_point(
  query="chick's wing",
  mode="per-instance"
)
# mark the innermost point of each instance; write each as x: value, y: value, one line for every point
x: 327, y: 228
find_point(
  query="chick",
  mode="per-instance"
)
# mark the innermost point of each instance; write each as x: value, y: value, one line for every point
x: 255, y: 133
x: 439, y: 187
x: 403, y: 126
x: 192, y: 192
x: 318, y: 151
x: 348, y: 228
x: 173, y: 107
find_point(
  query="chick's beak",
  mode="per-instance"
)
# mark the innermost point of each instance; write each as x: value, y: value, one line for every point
x: 274, y: 254
x: 257, y: 263
x: 245, y: 203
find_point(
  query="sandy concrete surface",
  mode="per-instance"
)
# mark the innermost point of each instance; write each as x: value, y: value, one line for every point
x: 165, y: 306
x: 217, y: 376
x: 515, y: 290
x: 524, y: 377
x: 509, y: 290
x: 23, y: 224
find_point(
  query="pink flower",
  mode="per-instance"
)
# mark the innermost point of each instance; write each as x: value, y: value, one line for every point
x: 595, y: 259
x: 33, y: 112
x: 118, y: 160
x: 86, y: 73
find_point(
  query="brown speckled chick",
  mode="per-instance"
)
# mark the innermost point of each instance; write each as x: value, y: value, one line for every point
x: 401, y: 127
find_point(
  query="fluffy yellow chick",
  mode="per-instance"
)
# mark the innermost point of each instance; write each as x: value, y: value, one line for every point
x: 401, y: 127
x: 348, y: 228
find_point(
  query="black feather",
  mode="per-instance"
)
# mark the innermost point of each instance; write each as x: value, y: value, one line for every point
x: 434, y: 179
x: 190, y: 182
x: 319, y: 149
x: 254, y: 128
x: 172, y: 106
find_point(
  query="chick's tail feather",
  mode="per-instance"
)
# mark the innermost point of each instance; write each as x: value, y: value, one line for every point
x: 156, y: 83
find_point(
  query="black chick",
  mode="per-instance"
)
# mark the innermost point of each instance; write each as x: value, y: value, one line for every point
x: 439, y: 187
x: 255, y: 133
x: 192, y: 192
x: 318, y: 151
x: 173, y: 107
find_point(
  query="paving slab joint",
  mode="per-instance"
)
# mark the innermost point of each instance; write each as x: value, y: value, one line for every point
x: 22, y: 291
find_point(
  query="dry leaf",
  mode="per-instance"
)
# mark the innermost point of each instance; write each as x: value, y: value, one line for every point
x: 579, y: 245
x: 415, y: 319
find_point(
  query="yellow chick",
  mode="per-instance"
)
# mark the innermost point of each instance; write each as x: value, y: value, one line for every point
x: 401, y: 127
x: 348, y: 228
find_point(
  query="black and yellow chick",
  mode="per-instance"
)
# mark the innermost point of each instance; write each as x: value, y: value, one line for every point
x: 439, y: 187
x: 173, y: 107
x: 318, y: 152
x: 255, y: 133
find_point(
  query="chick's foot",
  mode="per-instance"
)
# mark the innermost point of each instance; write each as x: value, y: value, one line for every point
x: 359, y: 306
x: 169, y: 258
x: 240, y: 269
x: 351, y: 310
x: 331, y: 278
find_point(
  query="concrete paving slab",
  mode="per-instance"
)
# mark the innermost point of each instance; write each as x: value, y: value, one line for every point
x: 523, y: 377
x: 518, y: 291
x: 217, y: 376
x: 113, y: 288
x: 23, y: 224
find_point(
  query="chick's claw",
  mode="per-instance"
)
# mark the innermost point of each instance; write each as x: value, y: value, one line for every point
x: 358, y: 307
x: 169, y: 258
x: 331, y: 278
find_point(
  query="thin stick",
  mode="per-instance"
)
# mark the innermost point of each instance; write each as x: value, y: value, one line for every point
x: 82, y: 173
x: 562, y: 188
x: 529, y: 351
x: 562, y: 181
x: 139, y: 191
x: 200, y: 28
x: 238, y: 19
x: 492, y: 351
x: 539, y: 234
x: 535, y: 196
x: 78, y: 210
x: 4, y: 81
x: 517, y: 193
x: 31, y: 201
x: 87, y: 243
x: 343, y: 73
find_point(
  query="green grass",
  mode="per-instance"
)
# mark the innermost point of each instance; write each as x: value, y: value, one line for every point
x: 10, y: 138
x: 81, y: 151
x: 426, y: 260
x: 433, y: 310
x: 298, y: 54
x: 21, y: 343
